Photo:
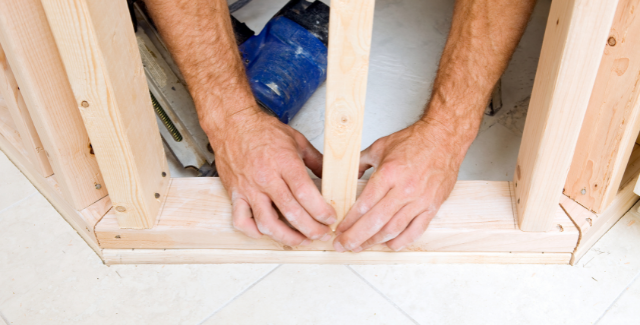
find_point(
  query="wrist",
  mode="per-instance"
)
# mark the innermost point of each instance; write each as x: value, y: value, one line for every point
x: 221, y: 125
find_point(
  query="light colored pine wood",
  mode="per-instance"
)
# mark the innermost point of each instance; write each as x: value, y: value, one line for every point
x: 32, y: 54
x: 100, y: 54
x: 350, y: 27
x: 8, y: 129
x: 612, y: 121
x: 477, y: 217
x: 593, y: 226
x: 221, y: 256
x: 21, y: 118
x: 572, y: 48
x: 83, y: 221
x: 633, y: 167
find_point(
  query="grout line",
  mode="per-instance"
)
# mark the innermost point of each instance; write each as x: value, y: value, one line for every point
x: 4, y: 318
x: 617, y: 298
x: 382, y: 294
x: 18, y: 202
x: 239, y: 294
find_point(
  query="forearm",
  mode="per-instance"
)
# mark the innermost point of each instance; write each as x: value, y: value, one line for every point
x: 482, y: 39
x: 200, y: 38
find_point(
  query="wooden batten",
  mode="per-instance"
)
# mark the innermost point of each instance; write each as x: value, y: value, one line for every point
x: 612, y: 121
x: 220, y: 256
x: 21, y: 118
x: 32, y: 53
x: 100, y: 53
x: 572, y: 49
x: 477, y: 217
x: 348, y: 63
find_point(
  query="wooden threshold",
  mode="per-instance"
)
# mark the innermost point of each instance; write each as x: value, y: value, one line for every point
x: 222, y: 256
x: 477, y: 217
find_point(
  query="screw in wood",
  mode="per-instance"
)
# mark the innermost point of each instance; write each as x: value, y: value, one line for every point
x: 121, y: 209
x: 85, y: 104
x: 611, y: 41
x: 98, y: 186
x: 157, y: 195
x: 560, y: 228
x: 118, y: 236
x: 583, y: 191
x: 164, y: 174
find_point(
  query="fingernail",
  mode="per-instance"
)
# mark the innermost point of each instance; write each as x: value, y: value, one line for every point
x: 338, y: 232
x: 326, y: 237
x: 331, y: 220
x: 305, y: 242
x: 357, y: 249
x: 399, y: 248
x: 338, y: 247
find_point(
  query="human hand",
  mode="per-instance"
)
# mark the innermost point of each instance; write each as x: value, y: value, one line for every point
x: 415, y: 171
x: 261, y: 163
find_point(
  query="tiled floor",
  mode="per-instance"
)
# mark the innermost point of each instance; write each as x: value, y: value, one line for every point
x: 48, y: 275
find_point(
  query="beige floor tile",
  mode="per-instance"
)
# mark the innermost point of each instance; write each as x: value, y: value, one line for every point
x: 310, y: 294
x: 13, y: 185
x: 625, y: 310
x: 48, y: 275
x: 516, y: 294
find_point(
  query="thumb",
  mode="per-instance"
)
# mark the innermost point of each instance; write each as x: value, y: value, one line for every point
x: 311, y: 157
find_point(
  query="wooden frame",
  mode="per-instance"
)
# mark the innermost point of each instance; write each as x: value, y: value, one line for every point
x: 89, y: 52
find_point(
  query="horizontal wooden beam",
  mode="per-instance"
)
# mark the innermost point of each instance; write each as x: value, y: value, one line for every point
x: 477, y: 217
x: 221, y: 256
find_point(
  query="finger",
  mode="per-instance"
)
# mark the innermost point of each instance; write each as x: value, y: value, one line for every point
x: 395, y: 226
x: 366, y: 161
x: 373, y: 192
x: 414, y: 231
x: 268, y: 223
x: 369, y: 224
x: 298, y: 217
x: 310, y: 155
x: 306, y: 193
x: 243, y: 218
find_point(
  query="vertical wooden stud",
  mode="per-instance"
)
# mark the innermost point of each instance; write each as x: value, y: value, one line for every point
x: 99, y: 50
x: 572, y: 48
x: 22, y: 120
x: 612, y: 122
x: 33, y: 56
x: 350, y: 28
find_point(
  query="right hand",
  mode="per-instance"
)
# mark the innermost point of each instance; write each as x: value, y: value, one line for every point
x: 261, y: 163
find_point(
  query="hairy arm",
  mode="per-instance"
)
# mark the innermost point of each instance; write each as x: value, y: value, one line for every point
x: 260, y: 160
x: 416, y: 168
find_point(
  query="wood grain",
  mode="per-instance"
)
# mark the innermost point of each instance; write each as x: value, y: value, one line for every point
x: 612, y: 121
x: 350, y: 27
x: 593, y: 226
x: 31, y: 143
x: 572, y: 49
x: 477, y: 217
x: 221, y: 256
x: 83, y: 222
x: 100, y: 53
x: 8, y: 129
x: 32, y: 53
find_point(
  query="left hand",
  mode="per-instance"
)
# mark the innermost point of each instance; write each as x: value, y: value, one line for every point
x: 415, y: 171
